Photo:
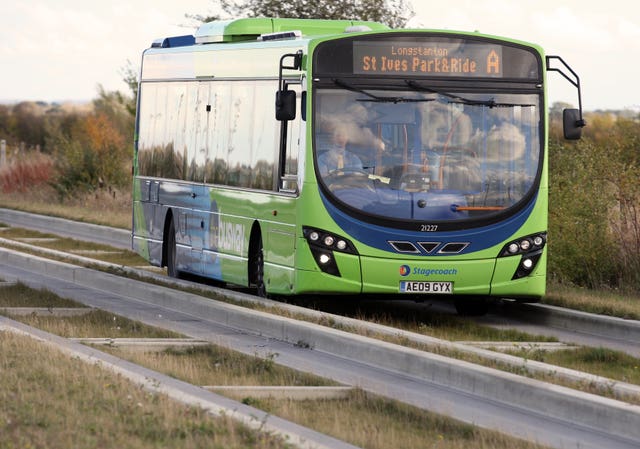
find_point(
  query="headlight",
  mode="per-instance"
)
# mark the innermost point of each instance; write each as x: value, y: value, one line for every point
x: 524, y: 245
x: 323, y: 244
x: 529, y: 248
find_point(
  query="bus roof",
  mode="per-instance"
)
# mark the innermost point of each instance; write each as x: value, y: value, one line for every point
x: 240, y: 30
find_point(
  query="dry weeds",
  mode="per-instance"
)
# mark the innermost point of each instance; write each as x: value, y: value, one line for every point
x: 50, y: 400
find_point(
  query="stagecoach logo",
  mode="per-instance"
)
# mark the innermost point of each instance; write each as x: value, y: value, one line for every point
x: 405, y: 270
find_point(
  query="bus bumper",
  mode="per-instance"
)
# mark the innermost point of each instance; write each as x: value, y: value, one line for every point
x: 450, y: 277
x: 433, y: 276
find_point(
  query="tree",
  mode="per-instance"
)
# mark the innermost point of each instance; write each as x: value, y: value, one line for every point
x: 130, y: 76
x: 395, y: 13
x: 93, y: 149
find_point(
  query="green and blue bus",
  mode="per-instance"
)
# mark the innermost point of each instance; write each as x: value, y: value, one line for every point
x: 329, y: 157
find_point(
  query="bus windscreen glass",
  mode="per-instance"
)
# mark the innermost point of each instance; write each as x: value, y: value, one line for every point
x: 411, y: 155
x: 427, y: 128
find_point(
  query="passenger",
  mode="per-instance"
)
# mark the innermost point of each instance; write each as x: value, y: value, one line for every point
x: 337, y: 157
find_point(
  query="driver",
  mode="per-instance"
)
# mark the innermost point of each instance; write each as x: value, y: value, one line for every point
x: 337, y: 157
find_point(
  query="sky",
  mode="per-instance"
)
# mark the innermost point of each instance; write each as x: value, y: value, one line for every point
x: 62, y: 50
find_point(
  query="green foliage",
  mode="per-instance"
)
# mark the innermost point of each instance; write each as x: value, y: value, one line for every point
x: 594, y: 218
x: 130, y: 76
x: 395, y: 13
x: 578, y: 216
x: 77, y: 168
x: 24, y: 122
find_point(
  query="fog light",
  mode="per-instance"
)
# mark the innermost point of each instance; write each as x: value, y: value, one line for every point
x: 328, y: 240
x: 324, y: 259
x: 527, y: 264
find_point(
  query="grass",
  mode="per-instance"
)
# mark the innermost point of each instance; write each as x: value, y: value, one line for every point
x: 81, y: 248
x: 80, y: 405
x: 23, y: 173
x: 361, y: 419
x: 601, y: 302
x: 109, y: 208
x: 604, y: 362
x: 96, y: 323
x: 376, y: 423
x: 50, y: 400
x: 19, y: 295
x: 214, y: 365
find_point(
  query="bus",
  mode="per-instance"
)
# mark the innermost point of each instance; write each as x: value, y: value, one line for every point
x: 334, y: 157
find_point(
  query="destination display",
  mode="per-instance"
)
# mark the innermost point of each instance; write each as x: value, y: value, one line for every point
x: 423, y: 58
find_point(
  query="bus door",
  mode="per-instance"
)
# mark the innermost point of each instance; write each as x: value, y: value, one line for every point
x: 196, y: 215
x: 282, y: 232
x: 291, y: 143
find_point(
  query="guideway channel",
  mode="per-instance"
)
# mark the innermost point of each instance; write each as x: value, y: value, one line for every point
x: 567, y: 325
x: 486, y: 397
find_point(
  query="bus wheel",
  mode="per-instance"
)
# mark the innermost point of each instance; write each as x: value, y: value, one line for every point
x: 471, y: 306
x: 256, y: 268
x: 172, y: 269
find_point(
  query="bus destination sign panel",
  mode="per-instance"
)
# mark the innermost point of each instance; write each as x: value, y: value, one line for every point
x: 446, y: 59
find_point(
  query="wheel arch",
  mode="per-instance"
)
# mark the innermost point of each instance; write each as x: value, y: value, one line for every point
x: 165, y: 231
x: 255, y: 239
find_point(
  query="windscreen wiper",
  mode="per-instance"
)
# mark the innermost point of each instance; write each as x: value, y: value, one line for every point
x: 376, y: 98
x: 457, y: 99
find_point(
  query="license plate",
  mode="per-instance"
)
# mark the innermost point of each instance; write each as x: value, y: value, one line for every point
x: 432, y: 287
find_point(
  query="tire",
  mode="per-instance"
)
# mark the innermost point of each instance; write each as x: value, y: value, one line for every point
x: 256, y: 267
x: 172, y: 267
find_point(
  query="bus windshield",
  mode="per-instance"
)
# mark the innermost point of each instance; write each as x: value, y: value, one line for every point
x: 415, y: 153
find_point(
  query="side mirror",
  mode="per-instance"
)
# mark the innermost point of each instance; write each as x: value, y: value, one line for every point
x: 572, y: 124
x: 285, y: 105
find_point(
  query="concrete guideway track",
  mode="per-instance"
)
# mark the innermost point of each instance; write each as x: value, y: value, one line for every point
x: 489, y: 398
x: 184, y: 392
x: 118, y: 238
x: 618, y: 389
x: 567, y: 325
